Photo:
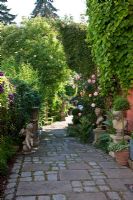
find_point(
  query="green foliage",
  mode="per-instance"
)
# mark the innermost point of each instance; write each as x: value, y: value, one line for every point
x: 7, y: 150
x: 25, y: 99
x: 35, y: 42
x: 121, y: 103
x: 115, y: 147
x: 32, y: 53
x: 85, y: 129
x: 72, y: 131
x: 75, y: 111
x: 19, y: 112
x: 5, y: 16
x: 109, y: 123
x: 78, y: 54
x: 7, y: 91
x: 110, y: 30
x: 103, y: 142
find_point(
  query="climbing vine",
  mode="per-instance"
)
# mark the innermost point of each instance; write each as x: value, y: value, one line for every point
x: 111, y: 32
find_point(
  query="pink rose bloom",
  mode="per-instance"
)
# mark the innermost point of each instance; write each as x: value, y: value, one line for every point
x: 93, y: 105
x: 93, y: 76
x: 93, y: 81
x: 89, y: 80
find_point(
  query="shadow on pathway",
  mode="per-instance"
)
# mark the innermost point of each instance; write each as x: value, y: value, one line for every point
x: 64, y: 169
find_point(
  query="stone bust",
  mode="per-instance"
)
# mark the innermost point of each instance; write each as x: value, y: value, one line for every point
x: 119, y: 122
x: 99, y: 116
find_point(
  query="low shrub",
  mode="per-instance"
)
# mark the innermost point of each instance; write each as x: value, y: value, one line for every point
x: 103, y: 142
x: 7, y: 151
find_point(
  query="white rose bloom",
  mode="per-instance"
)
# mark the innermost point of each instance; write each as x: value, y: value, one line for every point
x: 89, y: 80
x: 95, y: 93
x: 93, y: 105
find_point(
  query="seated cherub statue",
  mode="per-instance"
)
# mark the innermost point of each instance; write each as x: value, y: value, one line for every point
x: 28, y: 142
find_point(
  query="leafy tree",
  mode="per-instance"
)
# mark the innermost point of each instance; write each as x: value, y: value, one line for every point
x: 111, y: 33
x: 5, y: 16
x: 44, y: 8
x: 36, y: 42
x: 33, y: 49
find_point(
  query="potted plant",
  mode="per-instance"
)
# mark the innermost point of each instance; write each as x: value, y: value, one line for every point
x: 131, y: 146
x: 120, y: 104
x: 121, y: 151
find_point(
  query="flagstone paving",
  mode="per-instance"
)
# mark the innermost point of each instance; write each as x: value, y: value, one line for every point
x: 64, y: 169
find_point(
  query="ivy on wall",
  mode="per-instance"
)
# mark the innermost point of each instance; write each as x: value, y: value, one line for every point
x: 111, y: 33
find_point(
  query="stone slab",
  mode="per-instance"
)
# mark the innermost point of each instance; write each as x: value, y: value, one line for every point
x: 128, y: 196
x: 119, y: 173
x: 108, y: 165
x: 119, y: 184
x: 80, y: 166
x: 43, y: 188
x: 87, y: 196
x: 27, y: 167
x: 74, y: 175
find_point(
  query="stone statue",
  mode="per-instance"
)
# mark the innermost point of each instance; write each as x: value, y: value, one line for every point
x: 99, y: 124
x: 119, y: 122
x: 28, y: 142
x: 100, y: 118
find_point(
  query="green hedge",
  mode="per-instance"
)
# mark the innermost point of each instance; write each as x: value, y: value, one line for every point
x: 7, y: 151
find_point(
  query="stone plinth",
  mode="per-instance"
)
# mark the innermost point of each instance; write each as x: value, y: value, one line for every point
x: 97, y: 133
x: 118, y: 138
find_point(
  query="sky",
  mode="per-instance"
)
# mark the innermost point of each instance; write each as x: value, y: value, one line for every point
x: 65, y: 7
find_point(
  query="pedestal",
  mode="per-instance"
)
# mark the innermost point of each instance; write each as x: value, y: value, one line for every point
x: 118, y: 138
x: 34, y: 120
x: 97, y: 133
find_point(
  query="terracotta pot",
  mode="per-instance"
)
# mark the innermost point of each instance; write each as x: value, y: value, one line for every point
x: 122, y: 157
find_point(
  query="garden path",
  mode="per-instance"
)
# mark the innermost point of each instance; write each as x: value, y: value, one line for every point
x: 64, y: 169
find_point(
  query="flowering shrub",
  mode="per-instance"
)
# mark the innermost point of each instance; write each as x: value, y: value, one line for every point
x: 7, y: 91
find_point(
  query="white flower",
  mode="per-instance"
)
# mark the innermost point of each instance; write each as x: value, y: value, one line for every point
x: 95, y: 94
x: 93, y: 81
x: 89, y: 80
x: 90, y: 95
x: 79, y: 114
x: 93, y: 76
x: 73, y: 86
x: 93, y: 105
